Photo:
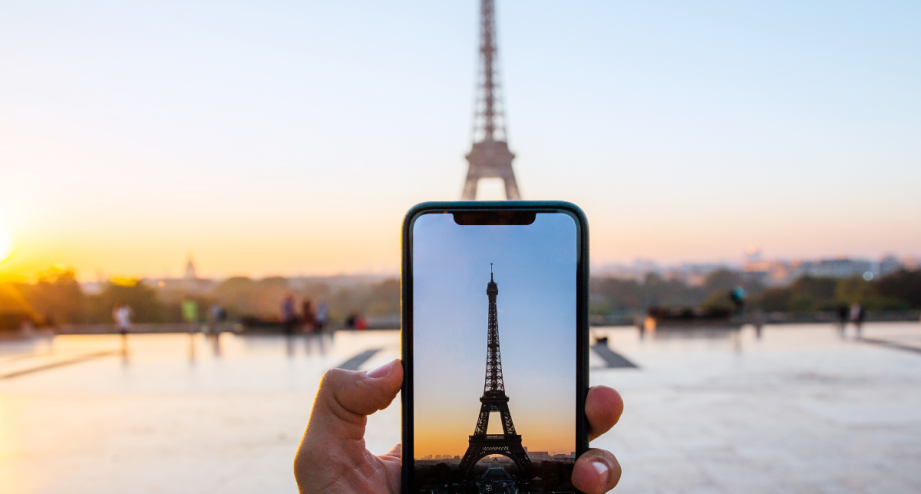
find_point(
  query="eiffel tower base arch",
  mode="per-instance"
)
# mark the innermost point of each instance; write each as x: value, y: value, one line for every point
x: 490, y: 159
x: 509, y: 447
x: 507, y: 444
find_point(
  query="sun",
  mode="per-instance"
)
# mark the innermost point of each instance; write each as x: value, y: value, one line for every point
x: 6, y: 244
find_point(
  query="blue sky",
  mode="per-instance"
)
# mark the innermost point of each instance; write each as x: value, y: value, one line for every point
x: 535, y: 270
x: 283, y: 137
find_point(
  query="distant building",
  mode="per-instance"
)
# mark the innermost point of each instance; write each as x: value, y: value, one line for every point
x: 693, y: 274
x: 753, y: 254
x: 768, y: 273
x: 779, y: 272
x: 190, y: 283
x: 837, y: 268
x: 92, y: 287
x: 888, y: 265
x: 636, y: 271
x: 190, y: 273
x: 537, y: 456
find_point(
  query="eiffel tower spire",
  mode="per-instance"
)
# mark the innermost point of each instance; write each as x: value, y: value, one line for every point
x: 494, y: 382
x: 490, y: 156
x: 489, y: 120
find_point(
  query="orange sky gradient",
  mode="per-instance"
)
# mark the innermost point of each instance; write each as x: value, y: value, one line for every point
x: 450, y: 435
x: 262, y: 243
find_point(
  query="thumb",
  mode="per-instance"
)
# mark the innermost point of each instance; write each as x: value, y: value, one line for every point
x: 346, y: 398
x: 334, y: 441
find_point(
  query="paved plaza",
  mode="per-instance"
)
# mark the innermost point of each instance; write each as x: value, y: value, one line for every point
x: 800, y: 409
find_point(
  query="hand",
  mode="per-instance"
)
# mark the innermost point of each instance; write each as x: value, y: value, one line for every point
x: 332, y: 457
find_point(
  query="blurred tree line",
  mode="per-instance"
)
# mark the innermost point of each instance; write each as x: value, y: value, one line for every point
x: 900, y: 290
x: 626, y: 296
x: 897, y: 291
x: 57, y: 298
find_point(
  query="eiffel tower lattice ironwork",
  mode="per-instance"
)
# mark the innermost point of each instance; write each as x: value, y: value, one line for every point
x: 494, y: 400
x: 490, y: 156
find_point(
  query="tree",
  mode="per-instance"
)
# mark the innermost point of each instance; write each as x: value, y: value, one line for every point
x: 384, y: 298
x: 810, y: 293
x: 57, y: 297
x: 145, y: 306
x: 904, y: 284
x: 853, y: 290
x: 773, y: 300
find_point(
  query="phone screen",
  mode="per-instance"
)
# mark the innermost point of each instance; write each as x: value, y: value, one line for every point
x: 494, y: 353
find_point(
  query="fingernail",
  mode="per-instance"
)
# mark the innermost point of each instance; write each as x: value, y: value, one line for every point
x: 602, y: 470
x: 382, y: 371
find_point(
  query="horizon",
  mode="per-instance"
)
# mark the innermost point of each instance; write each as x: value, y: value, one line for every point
x: 101, y: 276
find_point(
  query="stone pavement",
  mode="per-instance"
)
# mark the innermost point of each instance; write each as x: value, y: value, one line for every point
x: 798, y: 410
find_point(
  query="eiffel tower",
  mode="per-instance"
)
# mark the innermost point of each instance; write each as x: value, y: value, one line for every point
x: 490, y: 156
x: 494, y: 400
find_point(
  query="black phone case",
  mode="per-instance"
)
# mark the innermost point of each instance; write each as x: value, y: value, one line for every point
x: 582, y: 346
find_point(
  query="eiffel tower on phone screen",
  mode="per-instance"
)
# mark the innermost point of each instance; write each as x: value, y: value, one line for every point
x: 495, y: 400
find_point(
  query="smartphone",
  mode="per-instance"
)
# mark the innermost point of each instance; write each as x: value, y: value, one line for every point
x: 495, y: 346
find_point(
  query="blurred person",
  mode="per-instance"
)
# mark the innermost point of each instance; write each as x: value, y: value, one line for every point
x: 351, y: 319
x: 216, y: 317
x: 288, y: 315
x: 356, y: 321
x: 758, y: 320
x: 842, y: 313
x: 309, y: 318
x: 650, y: 323
x: 857, y: 316
x: 332, y: 457
x: 322, y: 317
x: 190, y: 313
x: 737, y: 297
x: 191, y: 347
x: 122, y: 316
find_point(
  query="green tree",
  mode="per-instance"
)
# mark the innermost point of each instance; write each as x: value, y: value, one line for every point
x: 384, y: 299
x: 145, y: 306
x: 235, y: 294
x: 853, y: 290
x: 802, y: 302
x: 773, y: 300
x: 904, y: 285
x: 57, y: 297
x: 718, y: 301
x: 810, y: 293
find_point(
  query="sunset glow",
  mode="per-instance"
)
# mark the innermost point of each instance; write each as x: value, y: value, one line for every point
x: 6, y: 243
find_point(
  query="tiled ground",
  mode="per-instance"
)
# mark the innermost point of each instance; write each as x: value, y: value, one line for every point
x: 798, y: 410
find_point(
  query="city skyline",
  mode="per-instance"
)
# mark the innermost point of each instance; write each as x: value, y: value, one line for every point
x: 634, y: 268
x: 285, y: 139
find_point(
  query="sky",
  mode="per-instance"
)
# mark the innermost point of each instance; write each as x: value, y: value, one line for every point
x: 535, y: 271
x: 290, y: 138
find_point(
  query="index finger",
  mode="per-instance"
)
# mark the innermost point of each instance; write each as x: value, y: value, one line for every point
x: 603, y: 407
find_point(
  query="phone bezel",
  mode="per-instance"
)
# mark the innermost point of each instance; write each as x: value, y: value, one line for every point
x: 406, y: 332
